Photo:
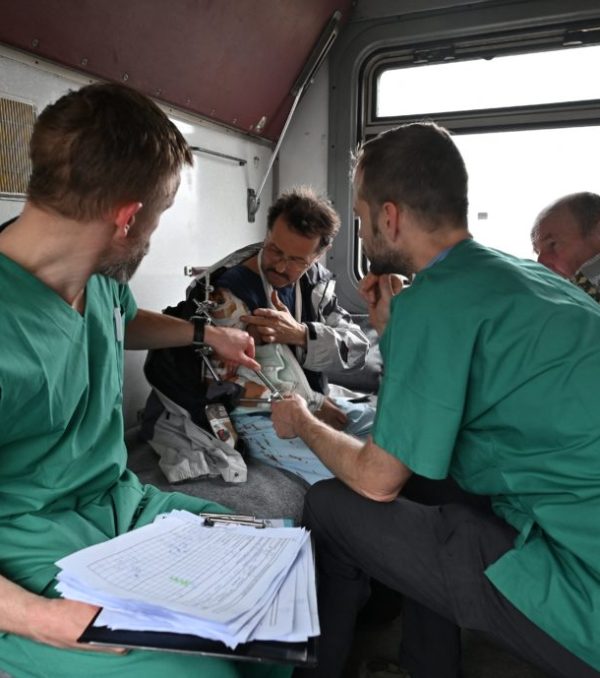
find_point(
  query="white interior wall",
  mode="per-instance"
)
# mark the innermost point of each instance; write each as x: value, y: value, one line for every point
x: 207, y: 221
x: 303, y: 153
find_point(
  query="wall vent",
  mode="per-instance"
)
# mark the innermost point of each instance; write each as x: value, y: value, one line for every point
x: 16, y: 127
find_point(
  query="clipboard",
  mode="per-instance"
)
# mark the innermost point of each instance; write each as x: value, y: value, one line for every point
x: 276, y: 652
x: 267, y: 651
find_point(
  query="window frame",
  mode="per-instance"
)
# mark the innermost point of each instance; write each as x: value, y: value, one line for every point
x: 374, y: 46
x: 509, y: 118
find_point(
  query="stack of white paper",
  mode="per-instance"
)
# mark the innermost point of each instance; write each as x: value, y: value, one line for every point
x: 232, y: 584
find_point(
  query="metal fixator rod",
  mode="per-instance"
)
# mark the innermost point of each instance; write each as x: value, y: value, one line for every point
x: 199, y: 149
x: 303, y: 82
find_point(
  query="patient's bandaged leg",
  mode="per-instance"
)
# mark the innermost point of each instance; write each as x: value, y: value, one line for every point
x: 292, y: 454
x: 277, y: 361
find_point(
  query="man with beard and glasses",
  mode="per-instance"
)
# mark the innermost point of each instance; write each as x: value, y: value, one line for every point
x: 490, y: 366
x: 106, y: 163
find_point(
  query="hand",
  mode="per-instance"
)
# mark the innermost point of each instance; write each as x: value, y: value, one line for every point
x: 331, y: 414
x: 231, y: 344
x: 277, y: 325
x: 59, y: 622
x: 377, y: 291
x: 286, y: 415
x: 253, y: 332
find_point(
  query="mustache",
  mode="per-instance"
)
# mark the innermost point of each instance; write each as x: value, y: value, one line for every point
x: 279, y: 275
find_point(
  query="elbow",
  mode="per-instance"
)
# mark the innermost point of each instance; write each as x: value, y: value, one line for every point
x: 354, y: 356
x: 361, y: 352
x: 359, y: 362
x: 379, y: 495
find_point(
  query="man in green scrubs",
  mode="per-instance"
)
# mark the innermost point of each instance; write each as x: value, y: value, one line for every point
x: 106, y: 164
x: 490, y: 369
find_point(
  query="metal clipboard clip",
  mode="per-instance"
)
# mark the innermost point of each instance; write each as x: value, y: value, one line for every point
x: 212, y: 519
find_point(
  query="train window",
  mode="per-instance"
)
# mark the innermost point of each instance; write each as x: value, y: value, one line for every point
x: 527, y: 124
x: 513, y: 175
x: 511, y: 80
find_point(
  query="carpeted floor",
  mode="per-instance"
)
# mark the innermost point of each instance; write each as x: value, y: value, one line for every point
x: 481, y: 659
x: 268, y: 492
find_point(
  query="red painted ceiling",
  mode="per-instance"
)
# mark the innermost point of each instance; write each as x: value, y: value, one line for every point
x: 233, y: 61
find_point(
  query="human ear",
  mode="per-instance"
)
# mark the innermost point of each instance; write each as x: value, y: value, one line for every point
x: 124, y: 217
x: 390, y: 217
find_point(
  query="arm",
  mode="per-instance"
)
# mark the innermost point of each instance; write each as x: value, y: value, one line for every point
x: 149, y: 330
x: 365, y: 468
x: 335, y: 342
x: 53, y: 621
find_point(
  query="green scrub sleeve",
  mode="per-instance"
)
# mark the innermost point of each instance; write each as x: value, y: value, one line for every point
x: 426, y: 373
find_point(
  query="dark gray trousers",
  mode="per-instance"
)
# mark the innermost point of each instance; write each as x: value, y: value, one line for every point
x: 435, y: 555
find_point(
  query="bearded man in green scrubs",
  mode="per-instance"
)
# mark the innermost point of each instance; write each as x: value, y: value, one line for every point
x: 106, y: 164
x: 490, y: 369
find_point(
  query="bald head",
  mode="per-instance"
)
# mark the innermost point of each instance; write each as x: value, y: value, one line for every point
x: 566, y: 234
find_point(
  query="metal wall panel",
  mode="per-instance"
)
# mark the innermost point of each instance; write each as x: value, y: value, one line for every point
x: 233, y: 61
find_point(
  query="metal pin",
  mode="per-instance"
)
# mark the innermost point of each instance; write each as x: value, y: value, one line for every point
x: 269, y: 384
x: 206, y: 360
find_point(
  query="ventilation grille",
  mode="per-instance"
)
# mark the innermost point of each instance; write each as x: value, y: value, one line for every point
x: 16, y: 126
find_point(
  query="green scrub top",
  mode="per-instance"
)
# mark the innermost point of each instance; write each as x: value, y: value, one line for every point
x: 61, y: 435
x: 64, y: 485
x: 61, y: 378
x: 491, y: 369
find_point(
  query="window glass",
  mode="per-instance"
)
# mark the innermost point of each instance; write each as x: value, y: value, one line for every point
x: 512, y: 80
x: 514, y: 175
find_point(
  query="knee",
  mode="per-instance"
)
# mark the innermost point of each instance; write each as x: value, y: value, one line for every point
x: 320, y: 503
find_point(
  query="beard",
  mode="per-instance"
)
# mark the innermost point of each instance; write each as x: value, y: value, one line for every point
x: 391, y: 262
x: 122, y: 271
x: 383, y: 261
